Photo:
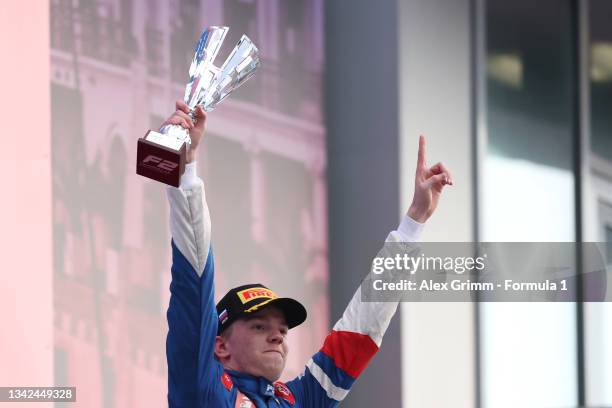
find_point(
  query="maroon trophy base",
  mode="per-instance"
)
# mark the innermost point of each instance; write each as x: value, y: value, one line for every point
x: 160, y: 163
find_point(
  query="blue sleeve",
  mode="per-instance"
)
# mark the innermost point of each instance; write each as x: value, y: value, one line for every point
x: 194, y: 375
x: 309, y: 392
x: 209, y: 369
x: 322, y: 384
x: 183, y: 339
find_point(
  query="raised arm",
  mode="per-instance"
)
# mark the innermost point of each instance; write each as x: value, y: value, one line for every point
x: 357, y: 336
x: 192, y: 319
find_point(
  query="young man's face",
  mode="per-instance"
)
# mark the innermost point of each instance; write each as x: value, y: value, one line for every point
x: 256, y: 345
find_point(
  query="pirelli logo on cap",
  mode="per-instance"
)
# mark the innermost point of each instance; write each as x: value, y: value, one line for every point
x: 255, y: 293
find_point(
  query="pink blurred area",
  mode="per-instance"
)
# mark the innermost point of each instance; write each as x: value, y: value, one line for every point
x: 116, y: 68
x: 26, y: 296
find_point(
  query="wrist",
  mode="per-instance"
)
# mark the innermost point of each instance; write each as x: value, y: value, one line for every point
x: 191, y: 154
x: 417, y: 215
x: 190, y: 179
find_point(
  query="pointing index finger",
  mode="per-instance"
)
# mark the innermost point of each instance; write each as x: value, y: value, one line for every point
x: 421, y: 157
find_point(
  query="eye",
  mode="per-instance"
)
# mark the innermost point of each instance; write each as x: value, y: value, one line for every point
x: 259, y: 327
x: 284, y: 331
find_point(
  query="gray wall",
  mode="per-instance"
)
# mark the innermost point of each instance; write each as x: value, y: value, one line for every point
x: 363, y: 166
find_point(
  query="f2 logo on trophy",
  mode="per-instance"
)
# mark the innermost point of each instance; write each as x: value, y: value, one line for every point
x: 159, y: 163
x: 161, y: 155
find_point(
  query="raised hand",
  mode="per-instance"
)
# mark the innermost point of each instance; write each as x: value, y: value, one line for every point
x: 428, y: 185
x: 196, y: 131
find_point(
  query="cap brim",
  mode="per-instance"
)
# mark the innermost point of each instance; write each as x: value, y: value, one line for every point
x: 294, y: 311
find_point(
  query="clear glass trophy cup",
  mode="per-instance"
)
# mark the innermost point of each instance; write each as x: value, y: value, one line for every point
x: 161, y: 155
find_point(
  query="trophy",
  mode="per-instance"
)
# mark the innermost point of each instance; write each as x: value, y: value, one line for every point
x: 161, y: 155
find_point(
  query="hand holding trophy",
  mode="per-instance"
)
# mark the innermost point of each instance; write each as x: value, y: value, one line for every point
x: 162, y: 155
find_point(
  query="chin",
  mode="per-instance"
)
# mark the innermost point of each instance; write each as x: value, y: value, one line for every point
x: 273, y: 373
x: 273, y: 376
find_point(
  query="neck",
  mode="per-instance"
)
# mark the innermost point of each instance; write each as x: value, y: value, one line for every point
x: 231, y: 367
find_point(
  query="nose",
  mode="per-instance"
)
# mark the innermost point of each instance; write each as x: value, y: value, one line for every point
x: 276, y: 337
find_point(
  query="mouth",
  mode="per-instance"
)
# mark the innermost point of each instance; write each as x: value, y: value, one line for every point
x: 274, y: 351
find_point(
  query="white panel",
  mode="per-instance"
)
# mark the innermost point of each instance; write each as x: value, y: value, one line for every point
x: 434, y: 55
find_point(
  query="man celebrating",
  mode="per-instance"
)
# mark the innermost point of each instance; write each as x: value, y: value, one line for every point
x: 233, y: 353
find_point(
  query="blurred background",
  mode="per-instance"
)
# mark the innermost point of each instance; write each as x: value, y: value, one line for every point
x: 307, y: 168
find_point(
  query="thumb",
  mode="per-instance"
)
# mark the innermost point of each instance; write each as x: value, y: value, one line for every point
x: 200, y: 116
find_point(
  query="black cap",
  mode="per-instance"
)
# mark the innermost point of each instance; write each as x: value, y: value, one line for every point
x: 245, y: 299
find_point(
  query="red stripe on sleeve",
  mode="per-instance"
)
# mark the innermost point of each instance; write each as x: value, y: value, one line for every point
x: 351, y: 352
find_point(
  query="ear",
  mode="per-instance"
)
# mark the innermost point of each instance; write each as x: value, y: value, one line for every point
x: 222, y: 349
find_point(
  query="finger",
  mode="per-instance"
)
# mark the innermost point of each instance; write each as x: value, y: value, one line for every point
x: 176, y: 120
x: 186, y: 117
x: 421, y: 160
x: 439, y: 180
x: 439, y: 168
x: 182, y: 106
